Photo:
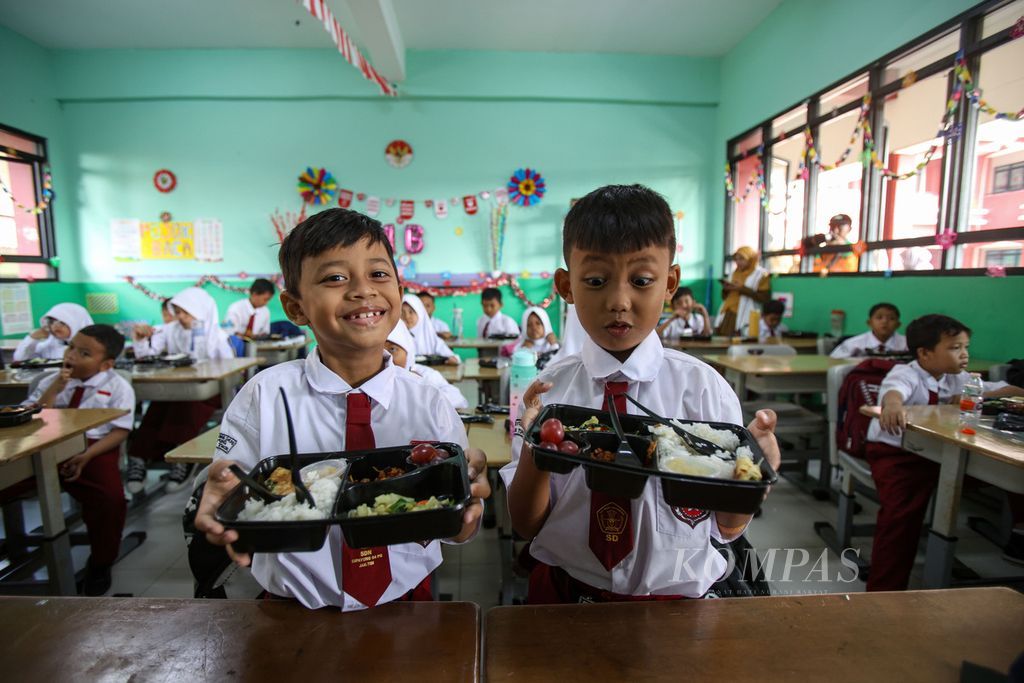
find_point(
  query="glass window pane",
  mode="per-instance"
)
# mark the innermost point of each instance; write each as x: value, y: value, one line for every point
x: 746, y: 213
x: 20, y: 143
x: 852, y: 90
x: 748, y: 143
x: 839, y: 189
x: 789, y: 121
x: 22, y: 271
x: 1008, y: 254
x: 910, y: 207
x: 786, y: 196
x: 997, y: 184
x: 19, y: 229
x: 1002, y: 18
x: 940, y: 48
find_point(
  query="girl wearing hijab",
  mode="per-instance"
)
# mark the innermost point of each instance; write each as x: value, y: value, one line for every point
x: 56, y: 327
x: 166, y: 424
x: 415, y: 317
x: 535, y: 332
x: 745, y: 291
x: 400, y: 345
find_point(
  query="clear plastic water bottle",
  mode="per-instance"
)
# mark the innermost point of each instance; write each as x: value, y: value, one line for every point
x: 457, y: 322
x: 521, y: 374
x: 837, y: 321
x: 970, y: 400
x: 199, y: 339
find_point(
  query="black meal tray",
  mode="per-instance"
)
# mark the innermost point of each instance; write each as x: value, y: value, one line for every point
x: 37, y: 364
x: 629, y: 478
x: 156, y: 361
x: 449, y: 478
x: 796, y: 334
x: 503, y: 337
x: 432, y: 359
x: 488, y: 362
x: 20, y: 415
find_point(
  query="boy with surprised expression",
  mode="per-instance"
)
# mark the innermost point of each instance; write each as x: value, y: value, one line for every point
x: 618, y: 243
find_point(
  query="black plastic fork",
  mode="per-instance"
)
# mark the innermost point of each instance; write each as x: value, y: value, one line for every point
x: 623, y: 452
x: 694, y: 443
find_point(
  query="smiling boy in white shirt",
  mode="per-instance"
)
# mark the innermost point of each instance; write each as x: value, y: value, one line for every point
x: 618, y: 244
x: 341, y: 281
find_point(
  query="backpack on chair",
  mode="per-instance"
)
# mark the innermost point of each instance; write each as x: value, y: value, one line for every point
x: 860, y: 388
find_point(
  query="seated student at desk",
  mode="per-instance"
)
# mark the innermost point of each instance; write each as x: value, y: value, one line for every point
x: 880, y: 339
x: 688, y: 318
x: 166, y: 424
x: 443, y: 331
x: 93, y: 477
x: 494, y: 323
x: 771, y: 327
x: 402, y: 348
x: 427, y: 342
x: 905, y: 480
x: 57, y: 326
x: 536, y: 333
x: 250, y: 317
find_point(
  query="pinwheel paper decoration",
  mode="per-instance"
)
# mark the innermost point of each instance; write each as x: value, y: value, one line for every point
x: 526, y: 187
x: 317, y: 186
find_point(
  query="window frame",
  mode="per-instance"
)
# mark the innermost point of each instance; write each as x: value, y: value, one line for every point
x: 957, y: 167
x: 47, y: 236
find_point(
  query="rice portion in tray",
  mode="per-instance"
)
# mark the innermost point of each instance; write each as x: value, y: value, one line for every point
x: 288, y: 509
x: 732, y: 462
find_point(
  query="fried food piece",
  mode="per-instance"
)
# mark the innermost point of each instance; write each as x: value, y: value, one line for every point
x: 602, y: 455
x: 746, y: 470
x: 280, y: 481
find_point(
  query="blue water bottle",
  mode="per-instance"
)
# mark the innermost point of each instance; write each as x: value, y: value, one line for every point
x: 521, y: 375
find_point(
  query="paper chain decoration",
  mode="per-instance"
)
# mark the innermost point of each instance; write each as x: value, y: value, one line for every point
x: 41, y: 205
x: 484, y: 282
x: 214, y: 280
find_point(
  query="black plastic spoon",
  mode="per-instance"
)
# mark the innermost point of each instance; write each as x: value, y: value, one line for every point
x: 694, y: 442
x: 302, y: 494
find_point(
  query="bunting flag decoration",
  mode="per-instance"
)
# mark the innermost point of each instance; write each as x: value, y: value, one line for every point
x: 469, y: 204
x: 319, y: 10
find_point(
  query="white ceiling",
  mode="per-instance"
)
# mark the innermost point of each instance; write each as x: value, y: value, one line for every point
x: 677, y: 27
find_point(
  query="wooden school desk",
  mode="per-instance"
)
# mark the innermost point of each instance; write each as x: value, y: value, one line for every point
x: 198, y: 382
x: 485, y: 348
x: 716, y: 345
x: 146, y: 639
x: 36, y: 448
x: 472, y: 370
x: 452, y: 373
x: 911, y: 636
x: 933, y: 432
x: 274, y: 351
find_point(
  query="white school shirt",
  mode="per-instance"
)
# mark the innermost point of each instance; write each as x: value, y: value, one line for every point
x: 173, y: 338
x: 238, y: 315
x: 436, y: 379
x: 677, y: 327
x: 764, y: 333
x: 440, y: 326
x: 50, y: 348
x: 540, y: 346
x: 499, y: 324
x: 103, y: 390
x: 914, y: 382
x: 863, y: 344
x: 669, y: 557
x: 404, y: 408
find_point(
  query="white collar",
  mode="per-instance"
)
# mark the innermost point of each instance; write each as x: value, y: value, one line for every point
x: 97, y: 380
x: 323, y: 380
x: 641, y: 366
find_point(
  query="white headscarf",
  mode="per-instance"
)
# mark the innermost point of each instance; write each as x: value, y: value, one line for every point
x: 203, y: 308
x: 423, y: 332
x: 573, y: 335
x: 539, y: 345
x: 72, y: 315
x: 400, y: 335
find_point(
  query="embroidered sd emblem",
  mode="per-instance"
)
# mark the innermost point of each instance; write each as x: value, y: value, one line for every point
x: 611, y: 518
x: 690, y: 516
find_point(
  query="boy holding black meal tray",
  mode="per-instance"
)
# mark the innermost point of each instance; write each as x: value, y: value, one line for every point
x: 341, y: 281
x: 618, y: 244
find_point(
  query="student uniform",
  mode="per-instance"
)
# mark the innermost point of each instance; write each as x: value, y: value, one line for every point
x: 400, y: 335
x: 499, y: 325
x: 423, y: 332
x: 402, y: 409
x: 765, y: 332
x: 52, y: 348
x: 905, y: 481
x: 98, y: 488
x: 167, y: 424
x: 440, y: 326
x: 671, y: 553
x: 868, y: 343
x: 541, y: 345
x: 677, y: 328
x: 247, y: 320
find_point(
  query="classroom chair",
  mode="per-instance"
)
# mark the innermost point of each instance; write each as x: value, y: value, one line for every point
x: 826, y: 345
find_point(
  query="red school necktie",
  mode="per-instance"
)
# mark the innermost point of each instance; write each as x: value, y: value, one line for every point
x: 248, y: 328
x: 365, y: 572
x: 933, y: 398
x: 487, y: 326
x: 76, y: 396
x: 611, y: 528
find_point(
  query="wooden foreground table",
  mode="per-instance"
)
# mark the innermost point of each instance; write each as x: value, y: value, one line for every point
x: 911, y: 636
x: 144, y: 639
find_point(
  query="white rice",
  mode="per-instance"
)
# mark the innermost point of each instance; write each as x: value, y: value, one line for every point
x: 675, y: 456
x: 720, y: 437
x: 288, y: 509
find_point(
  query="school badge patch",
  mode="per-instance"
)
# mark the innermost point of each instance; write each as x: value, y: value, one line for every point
x: 611, y: 518
x: 225, y: 443
x: 690, y: 516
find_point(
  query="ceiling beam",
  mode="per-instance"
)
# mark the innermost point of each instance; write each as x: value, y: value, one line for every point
x: 382, y: 39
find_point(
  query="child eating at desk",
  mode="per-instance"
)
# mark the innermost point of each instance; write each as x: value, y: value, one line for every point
x: 905, y: 480
x: 401, y: 346
x: 427, y: 342
x: 688, y: 319
x: 494, y: 323
x: 771, y: 328
x: 341, y: 281
x: 881, y: 339
x: 618, y: 243
x: 57, y: 326
x: 93, y: 477
x: 440, y: 326
x: 250, y: 317
x: 536, y: 333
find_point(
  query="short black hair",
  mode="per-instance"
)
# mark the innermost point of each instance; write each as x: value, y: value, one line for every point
x: 424, y: 294
x: 620, y: 218
x: 774, y: 306
x: 927, y: 331
x: 327, y: 230
x: 165, y: 304
x: 261, y: 285
x: 110, y: 338
x: 840, y: 219
x: 681, y: 292
x: 883, y: 304
x: 491, y: 293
